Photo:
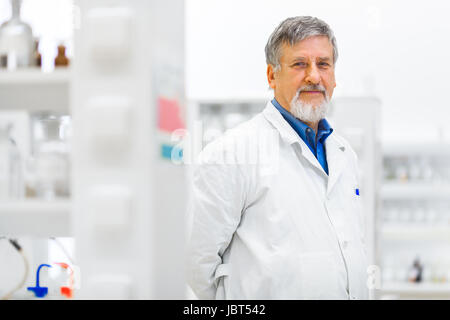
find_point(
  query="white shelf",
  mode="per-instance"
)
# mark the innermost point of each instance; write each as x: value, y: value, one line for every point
x: 416, y: 289
x: 34, y: 76
x: 412, y: 190
x: 35, y: 218
x: 33, y: 90
x: 409, y: 149
x: 415, y: 232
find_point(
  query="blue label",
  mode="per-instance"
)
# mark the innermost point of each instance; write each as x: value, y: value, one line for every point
x: 169, y: 152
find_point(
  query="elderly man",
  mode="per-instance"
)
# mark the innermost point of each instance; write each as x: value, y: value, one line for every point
x: 296, y: 231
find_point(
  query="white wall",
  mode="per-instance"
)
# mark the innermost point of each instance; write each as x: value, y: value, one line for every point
x: 396, y: 50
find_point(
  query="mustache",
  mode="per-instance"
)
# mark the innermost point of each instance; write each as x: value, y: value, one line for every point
x: 312, y: 87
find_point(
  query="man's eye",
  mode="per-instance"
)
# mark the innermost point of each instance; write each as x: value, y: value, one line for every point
x: 324, y: 64
x: 300, y: 64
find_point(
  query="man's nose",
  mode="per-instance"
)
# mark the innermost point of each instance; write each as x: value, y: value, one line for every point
x: 312, y: 74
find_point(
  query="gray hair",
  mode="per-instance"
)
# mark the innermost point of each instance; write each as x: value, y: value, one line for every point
x: 293, y: 30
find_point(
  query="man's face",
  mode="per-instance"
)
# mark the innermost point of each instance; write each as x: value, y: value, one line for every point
x: 309, y: 62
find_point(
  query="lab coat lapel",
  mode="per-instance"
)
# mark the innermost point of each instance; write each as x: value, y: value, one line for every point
x: 336, y: 160
x: 309, y: 156
x: 288, y: 134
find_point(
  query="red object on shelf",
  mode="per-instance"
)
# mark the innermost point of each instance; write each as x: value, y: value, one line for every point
x: 169, y: 118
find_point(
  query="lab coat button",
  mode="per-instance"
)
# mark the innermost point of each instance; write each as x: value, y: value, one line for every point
x: 344, y: 244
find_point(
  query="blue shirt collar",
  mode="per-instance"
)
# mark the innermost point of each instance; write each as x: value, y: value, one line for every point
x: 303, y: 130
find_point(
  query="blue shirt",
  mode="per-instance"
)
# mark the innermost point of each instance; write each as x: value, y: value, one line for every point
x: 307, y: 134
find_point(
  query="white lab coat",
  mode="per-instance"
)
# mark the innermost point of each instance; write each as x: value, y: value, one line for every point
x: 278, y: 227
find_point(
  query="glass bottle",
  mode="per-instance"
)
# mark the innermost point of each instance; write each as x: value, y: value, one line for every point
x: 37, y: 57
x: 16, y: 39
x: 415, y: 271
x: 11, y: 183
x: 61, y: 60
x: 51, y: 155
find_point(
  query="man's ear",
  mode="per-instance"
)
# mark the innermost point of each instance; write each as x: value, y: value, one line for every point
x: 271, y: 76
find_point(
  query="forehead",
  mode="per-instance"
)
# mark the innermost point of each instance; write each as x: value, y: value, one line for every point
x: 311, y: 47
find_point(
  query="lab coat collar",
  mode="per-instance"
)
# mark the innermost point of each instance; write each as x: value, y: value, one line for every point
x: 287, y: 133
x: 335, y: 148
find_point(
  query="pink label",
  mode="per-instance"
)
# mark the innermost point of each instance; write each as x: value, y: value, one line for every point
x: 169, y: 118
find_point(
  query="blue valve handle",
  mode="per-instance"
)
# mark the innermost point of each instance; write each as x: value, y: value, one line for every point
x: 39, y: 292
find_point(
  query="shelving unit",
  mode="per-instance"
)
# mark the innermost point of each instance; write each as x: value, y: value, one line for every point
x: 415, y: 232
x: 414, y: 149
x: 414, y: 190
x: 34, y: 76
x: 32, y: 90
x: 421, y: 290
x: 400, y: 239
x: 43, y: 218
x: 114, y: 91
x: 23, y: 92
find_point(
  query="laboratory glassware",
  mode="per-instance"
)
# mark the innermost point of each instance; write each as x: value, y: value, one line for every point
x: 16, y: 39
x: 51, y: 135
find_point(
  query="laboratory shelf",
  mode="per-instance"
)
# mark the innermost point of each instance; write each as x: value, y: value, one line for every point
x: 35, y: 218
x: 33, y: 90
x: 415, y: 232
x: 411, y: 149
x: 34, y: 76
x: 416, y: 289
x: 414, y: 190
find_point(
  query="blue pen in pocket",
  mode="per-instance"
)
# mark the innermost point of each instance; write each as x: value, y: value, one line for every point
x: 357, y: 191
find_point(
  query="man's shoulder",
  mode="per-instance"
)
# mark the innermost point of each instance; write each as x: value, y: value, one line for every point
x: 248, y: 128
x: 240, y: 137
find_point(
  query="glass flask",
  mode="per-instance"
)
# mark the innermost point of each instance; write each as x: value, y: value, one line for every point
x: 11, y: 182
x: 51, y: 149
x: 16, y: 39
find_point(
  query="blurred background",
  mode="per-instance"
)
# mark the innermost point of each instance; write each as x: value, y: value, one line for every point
x: 96, y: 97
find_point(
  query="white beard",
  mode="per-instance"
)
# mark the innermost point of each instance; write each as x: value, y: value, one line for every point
x: 307, y: 112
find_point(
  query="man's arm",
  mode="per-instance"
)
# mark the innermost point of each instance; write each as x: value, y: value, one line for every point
x: 218, y: 200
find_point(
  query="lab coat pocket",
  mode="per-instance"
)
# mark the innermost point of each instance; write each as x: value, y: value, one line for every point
x: 318, y: 276
x: 221, y: 281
